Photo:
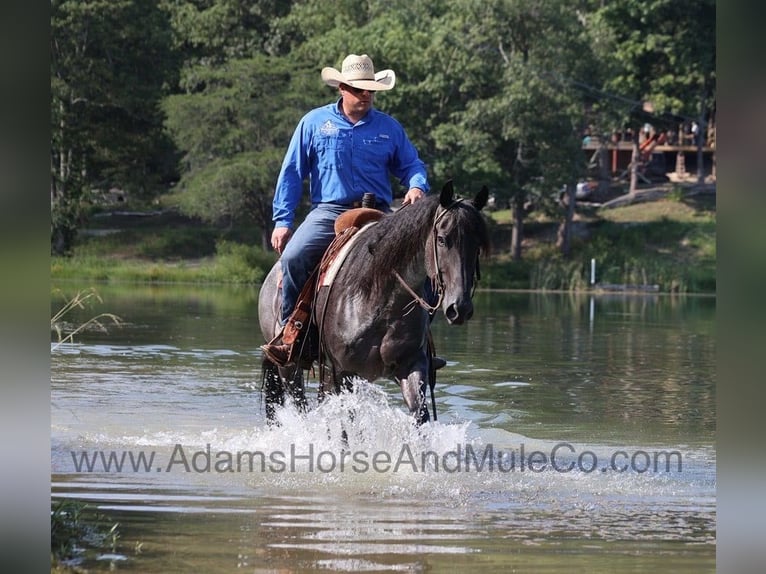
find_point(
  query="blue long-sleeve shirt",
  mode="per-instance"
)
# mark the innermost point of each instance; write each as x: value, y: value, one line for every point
x: 343, y: 161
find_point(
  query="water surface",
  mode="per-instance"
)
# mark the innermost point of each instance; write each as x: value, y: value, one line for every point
x: 574, y: 433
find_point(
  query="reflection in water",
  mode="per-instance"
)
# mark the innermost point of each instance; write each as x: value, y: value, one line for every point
x: 570, y: 407
x: 645, y: 363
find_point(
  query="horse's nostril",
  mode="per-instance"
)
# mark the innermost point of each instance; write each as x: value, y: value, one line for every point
x: 453, y: 314
x: 458, y: 314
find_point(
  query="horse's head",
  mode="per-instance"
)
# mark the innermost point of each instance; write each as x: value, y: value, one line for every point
x: 452, y: 251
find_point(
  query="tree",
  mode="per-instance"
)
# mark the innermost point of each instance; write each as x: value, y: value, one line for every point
x: 516, y: 118
x: 109, y: 63
x: 235, y: 108
x: 663, y: 52
x: 233, y: 129
x: 213, y: 31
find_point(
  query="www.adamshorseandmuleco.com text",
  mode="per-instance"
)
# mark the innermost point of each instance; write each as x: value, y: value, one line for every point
x: 562, y: 457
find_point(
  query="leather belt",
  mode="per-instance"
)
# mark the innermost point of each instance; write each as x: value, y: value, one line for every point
x: 379, y: 205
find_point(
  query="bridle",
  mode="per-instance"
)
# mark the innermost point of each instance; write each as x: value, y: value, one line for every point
x: 440, y: 287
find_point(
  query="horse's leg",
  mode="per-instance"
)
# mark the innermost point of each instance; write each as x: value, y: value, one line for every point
x: 272, y: 389
x: 405, y: 347
x: 414, y: 383
x: 346, y: 384
x: 293, y: 382
x: 331, y: 382
x: 277, y: 380
x: 326, y: 382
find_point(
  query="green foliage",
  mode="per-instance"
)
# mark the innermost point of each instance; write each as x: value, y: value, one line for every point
x: 233, y: 263
x: 76, y: 530
x: 110, y: 64
x: 167, y: 243
x: 502, y: 274
x: 233, y: 132
x: 659, y: 253
x: 491, y: 92
x: 676, y: 194
x: 664, y: 51
x: 233, y: 189
x: 217, y: 30
x: 676, y: 251
x: 242, y: 263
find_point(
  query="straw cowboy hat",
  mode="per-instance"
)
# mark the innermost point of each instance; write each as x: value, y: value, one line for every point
x: 358, y: 72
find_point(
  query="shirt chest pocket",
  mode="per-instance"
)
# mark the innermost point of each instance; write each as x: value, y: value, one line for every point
x: 375, y: 151
x: 332, y: 152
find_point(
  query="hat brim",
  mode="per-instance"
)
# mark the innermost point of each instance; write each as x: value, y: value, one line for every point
x: 384, y: 80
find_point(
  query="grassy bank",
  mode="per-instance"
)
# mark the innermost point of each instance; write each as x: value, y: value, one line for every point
x: 669, y: 242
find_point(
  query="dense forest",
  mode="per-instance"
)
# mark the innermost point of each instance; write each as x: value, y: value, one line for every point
x: 201, y: 96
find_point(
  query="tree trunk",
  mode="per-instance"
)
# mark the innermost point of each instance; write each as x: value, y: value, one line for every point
x: 604, y: 177
x: 634, y: 167
x: 517, y: 232
x: 701, y: 131
x: 564, y: 235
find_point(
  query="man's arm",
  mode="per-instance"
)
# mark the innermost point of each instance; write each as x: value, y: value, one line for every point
x: 289, y: 187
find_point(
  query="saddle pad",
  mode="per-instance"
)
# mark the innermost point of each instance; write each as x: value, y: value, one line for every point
x: 332, y: 270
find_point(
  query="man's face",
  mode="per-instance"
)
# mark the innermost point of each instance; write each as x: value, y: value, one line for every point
x: 356, y: 101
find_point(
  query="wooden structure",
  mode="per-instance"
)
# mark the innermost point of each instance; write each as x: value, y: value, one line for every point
x: 662, y: 159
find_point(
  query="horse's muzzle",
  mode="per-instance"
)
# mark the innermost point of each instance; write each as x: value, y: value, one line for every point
x: 458, y: 313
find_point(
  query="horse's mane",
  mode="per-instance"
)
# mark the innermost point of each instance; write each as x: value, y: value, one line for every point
x: 398, y: 240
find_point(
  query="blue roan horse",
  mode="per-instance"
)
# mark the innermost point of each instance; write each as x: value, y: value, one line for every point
x: 372, y: 321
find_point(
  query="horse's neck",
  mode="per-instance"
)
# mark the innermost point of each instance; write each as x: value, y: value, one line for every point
x: 415, y: 273
x: 395, y: 247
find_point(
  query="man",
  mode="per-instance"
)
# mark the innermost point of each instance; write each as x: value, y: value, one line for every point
x: 345, y: 149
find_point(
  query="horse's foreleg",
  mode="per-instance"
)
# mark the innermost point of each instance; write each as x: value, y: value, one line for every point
x: 276, y: 383
x: 414, y: 387
x: 273, y: 390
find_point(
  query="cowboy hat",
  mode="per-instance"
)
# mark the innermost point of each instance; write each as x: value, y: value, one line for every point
x: 358, y: 72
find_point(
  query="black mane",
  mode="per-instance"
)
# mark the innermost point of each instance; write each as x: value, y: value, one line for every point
x: 399, y: 238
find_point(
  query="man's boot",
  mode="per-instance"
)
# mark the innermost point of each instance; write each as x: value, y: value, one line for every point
x: 277, y: 353
x: 438, y: 363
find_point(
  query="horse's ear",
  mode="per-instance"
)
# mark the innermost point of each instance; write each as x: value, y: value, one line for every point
x: 447, y: 195
x: 481, y: 198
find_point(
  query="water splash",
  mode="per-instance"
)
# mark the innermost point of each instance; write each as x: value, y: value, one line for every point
x: 360, y: 443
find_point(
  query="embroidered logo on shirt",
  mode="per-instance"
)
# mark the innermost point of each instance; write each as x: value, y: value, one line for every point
x: 383, y: 136
x: 329, y: 129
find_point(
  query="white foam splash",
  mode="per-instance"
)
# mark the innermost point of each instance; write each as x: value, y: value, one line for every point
x: 357, y: 443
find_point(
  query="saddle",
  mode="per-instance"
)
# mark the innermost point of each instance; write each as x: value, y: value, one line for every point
x: 346, y: 227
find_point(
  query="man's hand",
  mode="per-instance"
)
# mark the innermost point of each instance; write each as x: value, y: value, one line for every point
x: 279, y: 238
x: 412, y: 195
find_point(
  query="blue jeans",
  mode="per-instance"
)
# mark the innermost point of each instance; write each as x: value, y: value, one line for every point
x: 304, y: 252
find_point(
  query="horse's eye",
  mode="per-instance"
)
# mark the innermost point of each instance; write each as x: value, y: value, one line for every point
x: 441, y: 241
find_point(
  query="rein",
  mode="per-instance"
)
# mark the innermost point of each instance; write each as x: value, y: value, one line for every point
x: 439, y: 279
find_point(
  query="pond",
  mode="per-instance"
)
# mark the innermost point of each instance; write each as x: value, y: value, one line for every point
x: 575, y: 432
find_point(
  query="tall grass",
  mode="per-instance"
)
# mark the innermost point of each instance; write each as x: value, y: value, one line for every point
x: 667, y: 243
x: 65, y: 331
x: 233, y: 263
x: 76, y: 533
x: 677, y: 257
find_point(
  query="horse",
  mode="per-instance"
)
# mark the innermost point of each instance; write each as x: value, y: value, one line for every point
x: 373, y: 320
